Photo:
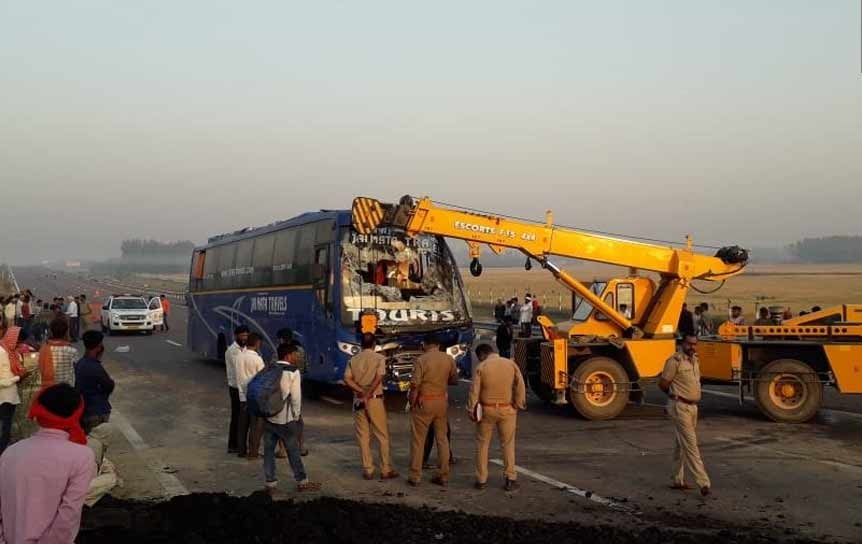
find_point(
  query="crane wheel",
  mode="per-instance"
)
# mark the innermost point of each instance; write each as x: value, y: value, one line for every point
x: 599, y: 388
x: 788, y: 391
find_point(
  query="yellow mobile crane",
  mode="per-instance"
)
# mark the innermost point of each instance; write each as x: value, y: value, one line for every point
x: 622, y: 331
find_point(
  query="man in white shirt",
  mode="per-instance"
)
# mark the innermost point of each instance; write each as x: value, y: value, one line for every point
x: 526, y: 316
x: 240, y: 335
x: 74, y: 320
x: 248, y: 363
x: 284, y: 426
x: 19, y: 304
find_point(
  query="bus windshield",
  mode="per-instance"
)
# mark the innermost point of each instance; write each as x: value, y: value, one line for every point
x: 411, y: 282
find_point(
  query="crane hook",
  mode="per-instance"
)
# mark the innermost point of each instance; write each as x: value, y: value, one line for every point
x: 475, y: 268
x: 528, y: 265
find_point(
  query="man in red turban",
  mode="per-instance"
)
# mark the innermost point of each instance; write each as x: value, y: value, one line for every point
x: 44, y: 478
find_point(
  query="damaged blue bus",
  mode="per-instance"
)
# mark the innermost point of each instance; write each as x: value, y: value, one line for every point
x: 314, y: 275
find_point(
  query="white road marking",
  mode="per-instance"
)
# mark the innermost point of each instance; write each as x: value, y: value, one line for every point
x: 610, y: 503
x: 824, y: 410
x: 170, y: 483
x: 838, y: 464
x: 171, y: 342
x: 331, y: 400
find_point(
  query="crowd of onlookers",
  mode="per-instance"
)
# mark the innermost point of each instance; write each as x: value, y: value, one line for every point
x: 700, y: 323
x: 58, y: 462
x: 34, y: 316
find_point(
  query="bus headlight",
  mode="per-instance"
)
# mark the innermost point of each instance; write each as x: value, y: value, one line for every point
x: 457, y: 350
x: 350, y: 349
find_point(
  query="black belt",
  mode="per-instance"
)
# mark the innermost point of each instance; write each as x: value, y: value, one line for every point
x: 677, y: 398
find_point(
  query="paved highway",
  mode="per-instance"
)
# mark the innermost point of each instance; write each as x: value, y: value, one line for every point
x: 172, y: 414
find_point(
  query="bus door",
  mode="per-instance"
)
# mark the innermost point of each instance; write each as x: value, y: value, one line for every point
x: 323, y: 313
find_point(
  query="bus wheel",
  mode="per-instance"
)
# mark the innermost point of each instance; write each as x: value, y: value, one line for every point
x: 788, y: 391
x: 599, y: 388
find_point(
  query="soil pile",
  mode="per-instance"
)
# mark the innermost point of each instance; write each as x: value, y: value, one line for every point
x: 219, y: 518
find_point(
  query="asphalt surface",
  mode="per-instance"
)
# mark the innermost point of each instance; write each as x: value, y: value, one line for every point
x: 794, y: 480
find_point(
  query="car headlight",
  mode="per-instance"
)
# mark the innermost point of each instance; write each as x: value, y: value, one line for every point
x: 350, y: 349
x: 457, y: 350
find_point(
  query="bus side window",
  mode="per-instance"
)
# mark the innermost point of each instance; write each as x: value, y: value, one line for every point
x: 283, y: 257
x: 304, y: 254
x: 242, y: 263
x: 324, y: 232
x: 261, y: 260
x: 198, y: 263
x: 211, y: 268
x: 321, y: 277
x: 226, y: 266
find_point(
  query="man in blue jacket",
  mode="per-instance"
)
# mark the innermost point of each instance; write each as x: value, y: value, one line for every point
x: 94, y: 383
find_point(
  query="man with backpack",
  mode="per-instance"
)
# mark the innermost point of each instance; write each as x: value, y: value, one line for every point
x: 248, y: 363
x: 282, y: 426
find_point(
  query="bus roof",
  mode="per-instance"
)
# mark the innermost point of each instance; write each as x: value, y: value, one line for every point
x: 341, y: 217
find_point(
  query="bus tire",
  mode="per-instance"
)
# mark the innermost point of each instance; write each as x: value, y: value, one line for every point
x: 788, y: 391
x: 593, y: 392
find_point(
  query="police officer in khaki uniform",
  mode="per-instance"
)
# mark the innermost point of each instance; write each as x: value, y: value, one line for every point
x: 498, y: 387
x: 433, y: 372
x: 364, y: 375
x: 680, y: 379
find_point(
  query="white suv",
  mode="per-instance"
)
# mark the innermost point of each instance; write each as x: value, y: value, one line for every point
x: 126, y: 313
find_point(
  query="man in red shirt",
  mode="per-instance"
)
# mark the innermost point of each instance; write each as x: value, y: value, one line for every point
x: 166, y: 309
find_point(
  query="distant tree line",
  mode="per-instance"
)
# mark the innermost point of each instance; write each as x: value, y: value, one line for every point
x: 830, y: 249
x: 150, y: 256
x: 152, y: 250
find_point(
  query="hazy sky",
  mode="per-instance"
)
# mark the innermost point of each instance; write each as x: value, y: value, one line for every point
x: 736, y: 121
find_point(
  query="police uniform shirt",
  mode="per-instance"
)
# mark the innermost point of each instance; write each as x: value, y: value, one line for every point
x: 364, y: 367
x: 498, y: 380
x: 432, y: 373
x: 683, y: 372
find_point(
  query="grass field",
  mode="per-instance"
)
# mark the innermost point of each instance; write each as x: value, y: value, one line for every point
x: 798, y: 286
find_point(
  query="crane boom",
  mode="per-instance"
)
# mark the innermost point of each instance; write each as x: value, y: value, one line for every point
x: 537, y: 240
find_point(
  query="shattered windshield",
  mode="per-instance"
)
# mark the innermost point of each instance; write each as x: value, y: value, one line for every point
x: 409, y: 281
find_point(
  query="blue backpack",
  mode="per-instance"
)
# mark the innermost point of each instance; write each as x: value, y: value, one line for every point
x: 263, y: 393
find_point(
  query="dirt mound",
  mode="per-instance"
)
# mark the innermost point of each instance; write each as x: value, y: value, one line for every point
x: 219, y: 518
